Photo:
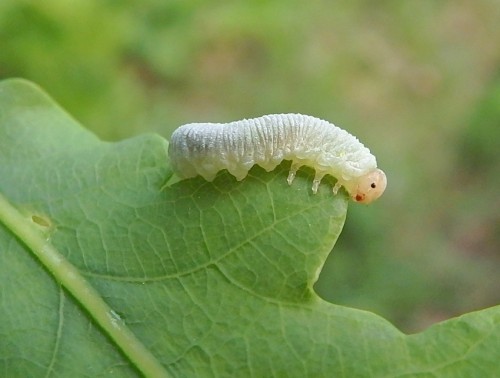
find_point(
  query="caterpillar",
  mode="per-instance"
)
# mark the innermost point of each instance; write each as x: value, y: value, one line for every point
x: 206, y: 148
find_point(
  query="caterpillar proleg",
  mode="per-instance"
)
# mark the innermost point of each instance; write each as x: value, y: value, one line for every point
x: 206, y: 148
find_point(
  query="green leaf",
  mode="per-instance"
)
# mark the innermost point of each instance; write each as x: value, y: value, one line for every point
x: 106, y: 269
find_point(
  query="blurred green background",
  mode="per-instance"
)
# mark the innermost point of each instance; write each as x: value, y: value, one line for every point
x: 417, y: 82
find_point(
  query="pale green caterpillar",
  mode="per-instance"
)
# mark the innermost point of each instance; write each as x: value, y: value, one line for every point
x: 206, y: 148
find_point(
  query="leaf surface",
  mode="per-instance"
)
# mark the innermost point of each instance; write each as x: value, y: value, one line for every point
x: 213, y: 279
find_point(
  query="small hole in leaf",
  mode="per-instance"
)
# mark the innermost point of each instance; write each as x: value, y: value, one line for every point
x: 41, y: 221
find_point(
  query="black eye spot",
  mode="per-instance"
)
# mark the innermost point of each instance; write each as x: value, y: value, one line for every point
x: 373, y: 185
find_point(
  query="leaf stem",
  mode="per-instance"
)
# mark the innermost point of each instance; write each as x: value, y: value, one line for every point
x: 70, y: 278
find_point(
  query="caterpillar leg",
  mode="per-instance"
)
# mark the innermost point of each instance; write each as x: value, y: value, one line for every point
x: 317, y: 180
x: 336, y: 187
x: 293, y: 171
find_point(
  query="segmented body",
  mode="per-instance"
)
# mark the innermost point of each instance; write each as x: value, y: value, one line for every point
x: 206, y: 148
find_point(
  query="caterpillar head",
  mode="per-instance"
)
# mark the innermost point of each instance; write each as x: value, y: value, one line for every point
x: 370, y: 187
